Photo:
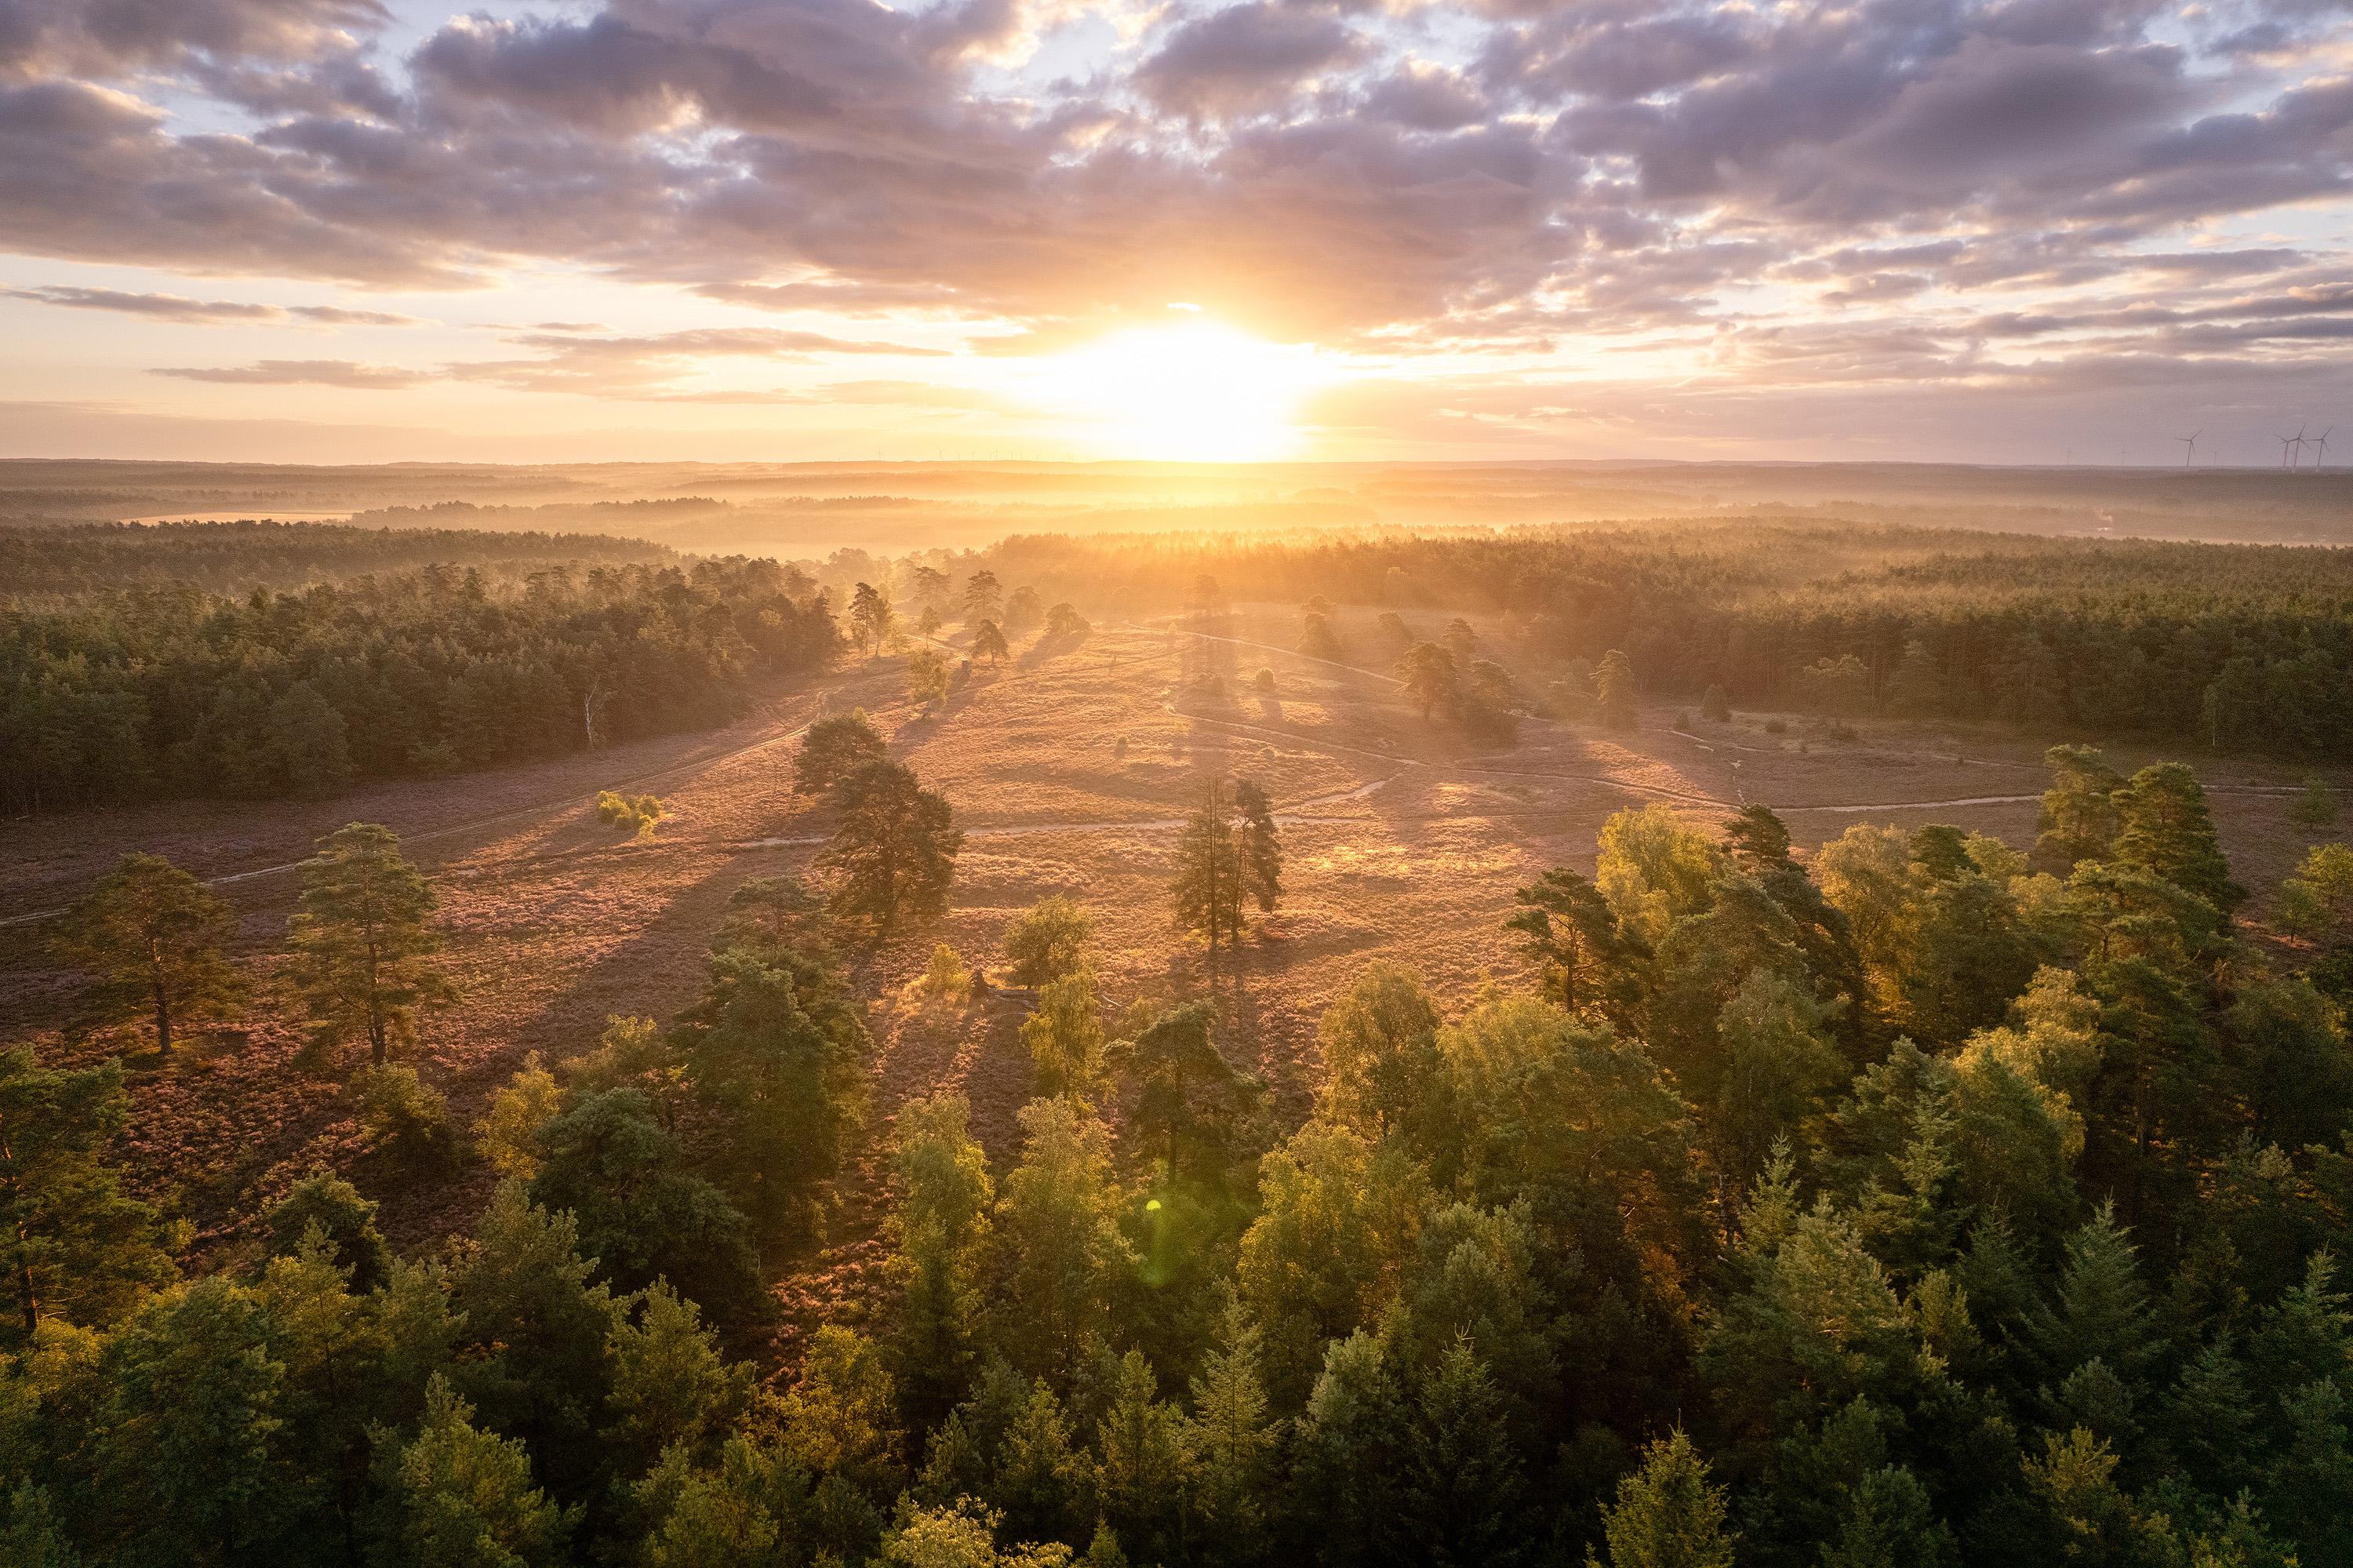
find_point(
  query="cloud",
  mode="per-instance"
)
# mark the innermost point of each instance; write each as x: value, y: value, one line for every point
x: 303, y: 373
x: 1508, y: 177
x: 179, y: 308
x: 1244, y: 58
x: 642, y: 369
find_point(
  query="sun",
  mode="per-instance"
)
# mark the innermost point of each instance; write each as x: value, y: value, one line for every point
x: 1197, y: 391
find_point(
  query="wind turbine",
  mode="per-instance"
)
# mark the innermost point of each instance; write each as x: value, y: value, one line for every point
x: 2322, y: 459
x: 2189, y: 447
x: 2294, y: 442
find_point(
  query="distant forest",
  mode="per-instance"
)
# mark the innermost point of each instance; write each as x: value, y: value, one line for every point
x: 121, y: 693
x: 236, y: 557
x: 2228, y: 647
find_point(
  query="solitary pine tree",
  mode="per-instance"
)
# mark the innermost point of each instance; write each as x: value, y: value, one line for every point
x: 988, y: 642
x: 150, y: 935
x: 1715, y: 707
x: 1209, y: 884
x: 982, y: 596
x: 1613, y: 690
x: 832, y: 748
x: 871, y: 617
x: 1260, y: 846
x: 362, y: 949
x: 72, y: 1245
x: 894, y: 853
x: 1428, y: 671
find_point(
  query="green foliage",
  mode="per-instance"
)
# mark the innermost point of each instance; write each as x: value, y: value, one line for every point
x: 2164, y: 828
x: 363, y: 943
x: 874, y: 620
x: 1065, y: 1036
x: 1613, y: 691
x: 149, y: 936
x: 893, y: 854
x: 405, y: 1118
x: 1588, y: 963
x: 638, y: 813
x: 413, y: 671
x: 1667, y: 1514
x: 1430, y: 678
x: 641, y: 1214
x: 927, y: 677
x: 947, y: 978
x: 834, y: 748
x: 2315, y: 808
x: 73, y: 1247
x: 1228, y: 851
x: 1048, y: 940
x: 465, y: 1497
x: 325, y: 1209
x: 507, y: 1136
x: 773, y: 1054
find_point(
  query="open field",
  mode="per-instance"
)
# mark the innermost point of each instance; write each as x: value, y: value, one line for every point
x: 1070, y: 768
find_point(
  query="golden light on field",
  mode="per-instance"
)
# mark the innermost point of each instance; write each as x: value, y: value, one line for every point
x: 1199, y: 391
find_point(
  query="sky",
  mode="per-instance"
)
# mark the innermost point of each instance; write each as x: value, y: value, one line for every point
x: 365, y: 231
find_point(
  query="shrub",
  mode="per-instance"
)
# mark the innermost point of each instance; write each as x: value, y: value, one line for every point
x: 1715, y: 707
x: 638, y: 813
x: 1049, y: 941
x: 405, y: 1116
x: 948, y: 978
x: 1263, y: 680
x: 1776, y: 726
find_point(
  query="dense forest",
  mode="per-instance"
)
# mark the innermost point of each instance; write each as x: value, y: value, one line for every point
x: 2226, y: 647
x: 116, y: 694
x: 1923, y: 1200
x: 237, y: 557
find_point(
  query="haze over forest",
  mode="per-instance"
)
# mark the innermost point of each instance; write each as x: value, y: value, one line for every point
x: 1067, y: 784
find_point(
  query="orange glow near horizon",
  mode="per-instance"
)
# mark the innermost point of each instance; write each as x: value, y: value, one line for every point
x: 1197, y: 391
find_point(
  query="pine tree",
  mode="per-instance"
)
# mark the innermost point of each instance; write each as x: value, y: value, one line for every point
x: 1428, y: 675
x: 363, y: 948
x: 1667, y: 1515
x: 1230, y: 1442
x: 1208, y: 887
x: 1058, y: 1218
x: 942, y: 1232
x: 1917, y: 688
x: 773, y: 1056
x: 1258, y: 844
x: 466, y: 1499
x: 1715, y: 707
x: 1465, y: 1488
x: 988, y: 643
x: 150, y: 935
x: 1613, y: 691
x: 872, y: 619
x: 1590, y: 965
x: 2078, y: 817
x: 982, y: 597
x: 833, y: 748
x: 1145, y: 1470
x: 508, y: 1132
x: 893, y: 853
x: 325, y: 1206
x: 2164, y: 827
x: 72, y: 1245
